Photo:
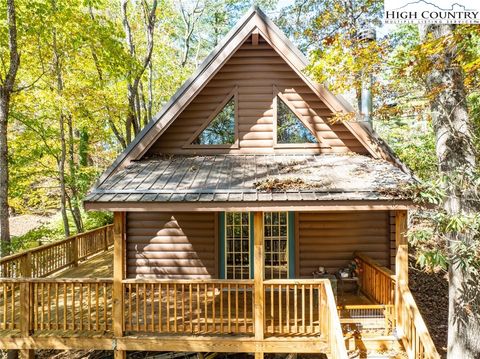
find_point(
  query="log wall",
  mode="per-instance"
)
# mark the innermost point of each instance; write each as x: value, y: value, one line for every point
x: 163, y: 245
x: 329, y: 239
x: 255, y: 70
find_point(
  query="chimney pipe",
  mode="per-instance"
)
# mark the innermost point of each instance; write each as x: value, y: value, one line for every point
x: 366, y: 34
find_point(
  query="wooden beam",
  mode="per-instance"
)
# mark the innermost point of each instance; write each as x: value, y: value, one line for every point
x: 305, y: 206
x: 118, y: 276
x: 258, y: 275
x: 255, y: 37
x: 401, y: 258
x: 219, y: 344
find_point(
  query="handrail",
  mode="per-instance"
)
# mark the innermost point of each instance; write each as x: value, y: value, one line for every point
x: 386, y: 271
x: 186, y: 281
x: 296, y: 281
x: 56, y: 280
x: 414, y: 331
x: 337, y: 342
x: 47, y: 259
x: 376, y: 281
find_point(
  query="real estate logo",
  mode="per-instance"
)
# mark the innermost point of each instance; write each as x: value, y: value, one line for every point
x: 432, y: 12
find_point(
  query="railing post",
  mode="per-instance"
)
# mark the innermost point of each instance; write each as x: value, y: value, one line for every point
x: 25, y: 313
x: 26, y: 267
x: 118, y: 276
x: 105, y: 239
x: 258, y: 274
x: 401, y: 259
x: 26, y: 316
x: 75, y: 251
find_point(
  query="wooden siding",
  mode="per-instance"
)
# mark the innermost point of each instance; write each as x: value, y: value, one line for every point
x: 329, y: 239
x: 256, y: 71
x: 163, y: 245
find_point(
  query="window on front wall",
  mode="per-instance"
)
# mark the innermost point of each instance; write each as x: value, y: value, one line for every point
x: 221, y: 130
x: 237, y: 245
x: 290, y: 129
x: 276, y: 244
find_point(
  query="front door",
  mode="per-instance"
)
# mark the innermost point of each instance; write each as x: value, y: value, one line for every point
x: 236, y: 238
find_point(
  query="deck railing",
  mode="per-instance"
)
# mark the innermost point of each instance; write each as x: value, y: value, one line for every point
x: 335, y: 335
x: 65, y: 306
x: 295, y: 307
x: 379, y: 283
x: 412, y: 328
x: 188, y: 306
x: 50, y: 258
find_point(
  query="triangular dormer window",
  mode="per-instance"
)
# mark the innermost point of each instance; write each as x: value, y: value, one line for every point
x: 290, y: 128
x: 220, y: 128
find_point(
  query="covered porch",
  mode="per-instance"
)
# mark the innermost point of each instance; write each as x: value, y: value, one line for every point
x: 78, y: 301
x: 210, y: 313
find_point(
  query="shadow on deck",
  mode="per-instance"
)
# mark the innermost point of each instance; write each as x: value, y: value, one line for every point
x: 97, y: 266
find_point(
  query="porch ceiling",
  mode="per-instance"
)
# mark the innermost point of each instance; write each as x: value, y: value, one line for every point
x: 252, y: 179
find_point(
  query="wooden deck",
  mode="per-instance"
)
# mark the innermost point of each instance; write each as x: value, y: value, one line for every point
x: 71, y: 305
x: 98, y: 266
x: 75, y: 302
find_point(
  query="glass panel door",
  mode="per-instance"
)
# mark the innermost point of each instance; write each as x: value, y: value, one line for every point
x: 276, y: 244
x: 237, y: 249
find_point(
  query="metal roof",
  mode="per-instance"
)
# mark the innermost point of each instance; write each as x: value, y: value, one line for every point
x: 239, y: 178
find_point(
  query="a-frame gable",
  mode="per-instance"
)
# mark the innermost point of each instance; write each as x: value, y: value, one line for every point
x: 260, y: 76
x: 254, y: 22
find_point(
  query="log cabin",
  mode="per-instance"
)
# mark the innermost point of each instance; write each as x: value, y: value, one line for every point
x: 248, y: 217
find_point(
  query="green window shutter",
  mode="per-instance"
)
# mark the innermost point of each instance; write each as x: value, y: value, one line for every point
x: 291, y: 244
x: 221, y: 245
x: 250, y: 215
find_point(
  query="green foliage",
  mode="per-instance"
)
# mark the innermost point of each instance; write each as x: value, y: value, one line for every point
x: 97, y: 219
x: 53, y: 231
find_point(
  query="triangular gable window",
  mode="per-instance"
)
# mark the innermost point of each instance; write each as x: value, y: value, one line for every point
x: 290, y: 129
x: 221, y: 130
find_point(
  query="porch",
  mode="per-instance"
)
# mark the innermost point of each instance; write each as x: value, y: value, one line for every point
x: 76, y: 307
x: 293, y: 307
x: 69, y: 308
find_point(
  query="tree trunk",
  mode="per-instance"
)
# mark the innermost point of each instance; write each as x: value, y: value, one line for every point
x: 4, y: 215
x: 456, y: 159
x: 134, y: 120
x: 6, y: 89
x: 61, y: 125
x: 75, y: 200
x: 61, y: 176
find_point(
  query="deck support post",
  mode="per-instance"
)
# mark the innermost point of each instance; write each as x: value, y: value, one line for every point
x: 25, y: 316
x: 258, y: 274
x: 118, y: 276
x: 401, y: 258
